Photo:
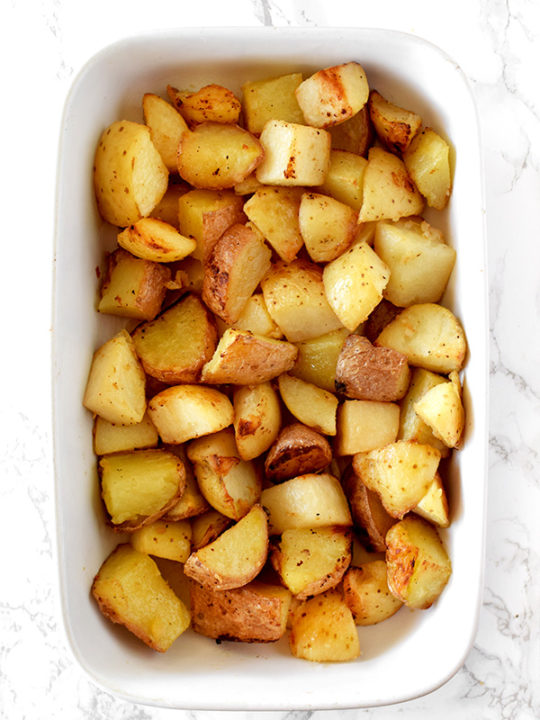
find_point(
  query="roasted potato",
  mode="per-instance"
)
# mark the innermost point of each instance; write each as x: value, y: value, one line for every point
x: 366, y: 593
x: 166, y: 127
x: 442, y: 410
x: 344, y: 180
x: 298, y: 450
x: 212, y: 103
x: 368, y: 512
x: 153, y: 239
x: 275, y: 212
x: 434, y: 505
x: 271, y: 99
x: 257, y: 419
x: 192, y: 502
x: 364, y: 425
x: 428, y: 162
x: 171, y: 540
x: 354, y: 135
x: 394, y: 125
x: 327, y: 226
x: 256, y: 319
x: 111, y: 438
x: 207, y: 527
x: 310, y: 404
x: 411, y: 426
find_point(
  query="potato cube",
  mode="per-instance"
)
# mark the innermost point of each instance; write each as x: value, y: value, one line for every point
x: 110, y: 438
x: 130, y: 590
x: 394, y: 125
x: 366, y: 593
x: 166, y: 127
x: 293, y: 154
x: 212, y: 103
x: 333, y: 95
x: 310, y: 404
x: 274, y: 211
x: 317, y: 359
x: 153, y: 239
x: 116, y: 384
x: 171, y: 540
x: 327, y: 226
x: 271, y: 99
x: 364, y: 425
x: 428, y: 163
x: 344, y: 180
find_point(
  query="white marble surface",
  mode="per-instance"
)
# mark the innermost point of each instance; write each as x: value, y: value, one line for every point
x: 497, y: 43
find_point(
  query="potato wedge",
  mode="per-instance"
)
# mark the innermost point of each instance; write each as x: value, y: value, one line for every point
x: 175, y: 346
x: 306, y: 501
x: 215, y: 156
x: 354, y: 283
x: 333, y: 95
x: 310, y: 404
x: 354, y: 135
x: 364, y: 425
x: 235, y: 558
x: 394, y: 125
x: 115, y: 389
x: 153, y: 239
x: 293, y: 154
x: 317, y: 359
x: 323, y: 630
x: 130, y: 178
x: 130, y: 590
x: 389, y: 192
x: 311, y: 561
x: 242, y: 358
x: 429, y: 335
x: 428, y: 163
x: 366, y: 372
x: 111, y: 438
x: 271, y: 99
x: 229, y: 484
x: 295, y: 297
x: 274, y: 211
x: 166, y: 127
x: 400, y: 474
x: 207, y: 527
x: 434, y: 505
x: 256, y: 612
x: 367, y: 511
x: 344, y: 180
x: 233, y: 270
x: 418, y: 565
x: 184, y: 412
x: 327, y: 226
x: 257, y: 419
x: 298, y: 450
x: 366, y: 593
x: 171, y: 540
x: 442, y: 410
x: 139, y: 487
x: 212, y: 103
x: 411, y: 426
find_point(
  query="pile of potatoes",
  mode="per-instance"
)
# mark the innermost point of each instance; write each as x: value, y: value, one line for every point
x: 269, y: 425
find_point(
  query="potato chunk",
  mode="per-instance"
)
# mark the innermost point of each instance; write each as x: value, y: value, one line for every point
x: 369, y: 515
x: 327, y: 226
x: 233, y: 270
x: 365, y: 372
x: 274, y: 211
x: 256, y: 612
x: 212, y: 103
x: 312, y: 560
x: 333, y: 95
x: 310, y: 404
x: 244, y: 358
x: 171, y: 540
x: 293, y: 154
x: 130, y: 590
x: 394, y: 125
x: 429, y: 335
x: 306, y: 501
x: 428, y: 163
x: 207, y: 527
x: 418, y: 565
x: 256, y: 319
x: 184, y: 412
x: 216, y: 156
x: 116, y: 384
x: 441, y: 408
x: 110, y: 438
x: 166, y: 127
x: 271, y: 99
x: 130, y: 178
x: 298, y: 450
x: 153, y: 239
x: 317, y: 359
x: 174, y: 347
x: 235, y: 558
x: 257, y: 419
x: 192, y: 502
x: 344, y: 180
x: 434, y: 505
x: 354, y: 135
x: 139, y: 487
x: 323, y: 630
x: 366, y: 593
x: 400, y: 474
x: 364, y: 425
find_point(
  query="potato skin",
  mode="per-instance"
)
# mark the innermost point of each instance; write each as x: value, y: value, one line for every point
x: 298, y: 450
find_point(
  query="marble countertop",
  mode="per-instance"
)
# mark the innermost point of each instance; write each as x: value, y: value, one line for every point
x: 497, y: 43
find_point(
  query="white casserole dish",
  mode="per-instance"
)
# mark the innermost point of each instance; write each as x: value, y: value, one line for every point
x: 413, y: 652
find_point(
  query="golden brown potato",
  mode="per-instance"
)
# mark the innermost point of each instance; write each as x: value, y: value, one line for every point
x: 171, y: 540
x: 411, y: 426
x: 229, y: 484
x: 310, y: 404
x: 364, y: 425
x: 399, y: 473
x: 233, y: 270
x: 418, y: 565
x: 306, y: 501
x: 110, y: 438
x: 434, y: 505
x: 242, y: 358
x: 344, y: 180
x: 323, y: 630
x: 212, y: 103
x: 133, y: 287
x: 166, y: 127
x: 365, y: 372
x: 235, y: 558
x: 175, y: 346
x: 257, y: 419
x: 366, y: 593
x: 354, y: 135
x: 256, y: 319
x: 429, y: 335
x: 394, y: 125
x: 274, y: 211
x: 312, y: 560
x: 294, y: 154
x: 367, y: 511
x: 216, y: 156
x: 184, y: 412
x: 130, y: 590
x: 192, y: 502
x: 428, y: 163
x: 139, y: 487
x: 317, y: 359
x: 153, y: 239
x: 271, y: 99
x: 298, y: 450
x: 333, y: 95
x: 256, y: 612
x: 442, y: 410
x: 130, y: 178
x: 389, y: 192
x: 204, y: 215
x: 207, y: 527
x: 327, y: 226
x: 115, y: 389
x: 295, y: 297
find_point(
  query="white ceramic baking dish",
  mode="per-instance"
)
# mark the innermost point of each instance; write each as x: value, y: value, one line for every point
x: 406, y: 656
